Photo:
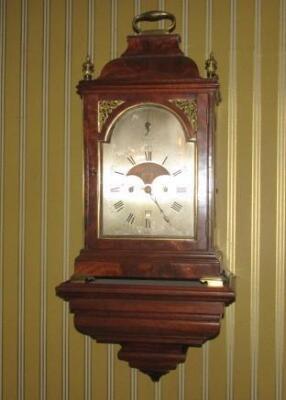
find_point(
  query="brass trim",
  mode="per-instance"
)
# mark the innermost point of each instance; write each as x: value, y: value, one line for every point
x: 190, y: 109
x: 211, y: 69
x: 212, y: 281
x: 105, y: 109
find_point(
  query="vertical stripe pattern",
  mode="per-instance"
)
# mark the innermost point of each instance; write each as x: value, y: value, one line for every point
x: 205, y: 372
x: 280, y: 212
x: 181, y: 386
x: 185, y: 28
x: 161, y: 7
x: 232, y: 142
x: 137, y: 7
x: 113, y: 54
x: 90, y: 39
x: 209, y: 11
x: 113, y: 26
x: 2, y: 152
x: 66, y: 233
x: 44, y: 205
x: 87, y: 368
x: 208, y: 49
x: 110, y: 372
x: 22, y: 208
x: 40, y: 355
x: 256, y: 202
x: 133, y: 384
x: 231, y: 190
x: 87, y: 340
x: 157, y: 391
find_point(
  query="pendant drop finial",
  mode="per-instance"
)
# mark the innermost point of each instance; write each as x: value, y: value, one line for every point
x: 87, y: 69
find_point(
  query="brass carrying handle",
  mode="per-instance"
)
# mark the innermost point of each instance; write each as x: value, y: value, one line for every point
x: 153, y: 16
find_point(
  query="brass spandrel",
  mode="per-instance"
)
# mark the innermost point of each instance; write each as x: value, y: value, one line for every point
x: 105, y: 108
x: 190, y: 109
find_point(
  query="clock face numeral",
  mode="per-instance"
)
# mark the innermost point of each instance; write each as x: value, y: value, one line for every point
x: 177, y: 172
x: 130, y: 219
x: 176, y: 206
x: 148, y: 219
x: 131, y: 160
x: 115, y: 189
x: 147, y: 126
x: 148, y: 223
x: 165, y: 159
x: 181, y: 189
x: 148, y: 155
x: 119, y: 205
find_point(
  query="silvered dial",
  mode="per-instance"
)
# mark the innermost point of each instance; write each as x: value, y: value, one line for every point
x: 147, y: 181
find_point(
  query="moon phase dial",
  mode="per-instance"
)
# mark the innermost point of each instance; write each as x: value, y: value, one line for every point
x: 148, y: 171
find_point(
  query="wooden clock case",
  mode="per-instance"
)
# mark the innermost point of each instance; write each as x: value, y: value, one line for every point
x: 153, y: 297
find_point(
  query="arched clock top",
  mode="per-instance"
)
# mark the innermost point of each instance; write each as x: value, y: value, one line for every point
x: 184, y: 110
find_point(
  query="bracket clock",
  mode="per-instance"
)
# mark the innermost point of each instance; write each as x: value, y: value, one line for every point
x: 149, y: 277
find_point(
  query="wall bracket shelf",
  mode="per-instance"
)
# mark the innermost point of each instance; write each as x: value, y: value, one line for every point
x: 154, y: 321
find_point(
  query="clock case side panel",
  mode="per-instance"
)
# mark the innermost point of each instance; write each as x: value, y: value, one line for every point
x: 175, y: 259
x: 90, y: 112
x: 213, y: 102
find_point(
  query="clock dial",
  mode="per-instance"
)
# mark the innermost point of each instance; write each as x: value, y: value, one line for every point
x: 148, y: 172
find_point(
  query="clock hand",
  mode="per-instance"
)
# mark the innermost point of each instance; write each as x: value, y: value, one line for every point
x: 159, y: 207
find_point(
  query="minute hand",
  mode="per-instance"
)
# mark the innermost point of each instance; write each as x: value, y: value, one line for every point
x: 160, y: 209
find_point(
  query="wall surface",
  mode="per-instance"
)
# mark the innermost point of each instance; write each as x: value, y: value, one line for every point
x: 43, y: 44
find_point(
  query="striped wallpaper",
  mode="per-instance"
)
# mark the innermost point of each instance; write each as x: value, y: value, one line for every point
x: 42, y: 46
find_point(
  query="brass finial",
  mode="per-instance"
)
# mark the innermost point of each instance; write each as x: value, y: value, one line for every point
x: 87, y: 69
x: 211, y: 67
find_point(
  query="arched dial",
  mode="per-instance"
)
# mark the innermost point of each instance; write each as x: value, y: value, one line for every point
x: 148, y: 171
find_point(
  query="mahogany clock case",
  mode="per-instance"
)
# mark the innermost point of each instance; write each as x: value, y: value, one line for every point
x: 139, y: 78
x: 154, y: 296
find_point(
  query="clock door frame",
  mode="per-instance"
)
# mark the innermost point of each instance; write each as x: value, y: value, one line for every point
x: 95, y: 132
